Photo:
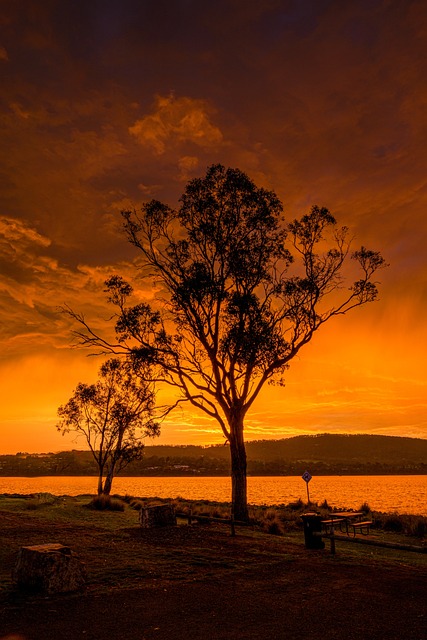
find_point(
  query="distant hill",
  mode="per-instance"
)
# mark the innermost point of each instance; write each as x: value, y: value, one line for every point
x: 324, y: 447
x: 324, y: 454
x: 342, y: 448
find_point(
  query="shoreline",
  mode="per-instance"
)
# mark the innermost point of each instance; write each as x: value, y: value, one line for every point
x: 213, y: 504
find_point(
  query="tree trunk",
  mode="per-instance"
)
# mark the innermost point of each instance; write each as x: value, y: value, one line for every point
x: 109, y: 480
x: 238, y: 472
x: 100, y: 481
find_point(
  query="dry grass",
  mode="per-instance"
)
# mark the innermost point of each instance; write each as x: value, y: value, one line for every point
x: 40, y: 500
x: 118, y: 552
x: 286, y: 518
x: 103, y: 502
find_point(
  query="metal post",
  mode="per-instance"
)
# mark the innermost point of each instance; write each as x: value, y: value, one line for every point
x: 306, y: 476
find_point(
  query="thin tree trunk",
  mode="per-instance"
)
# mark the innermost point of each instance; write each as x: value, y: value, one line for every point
x: 115, y: 455
x: 238, y: 472
x: 100, y: 472
x: 109, y: 480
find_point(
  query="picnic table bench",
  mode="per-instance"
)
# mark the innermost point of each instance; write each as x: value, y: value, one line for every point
x: 328, y: 525
x: 362, y: 526
x: 346, y: 520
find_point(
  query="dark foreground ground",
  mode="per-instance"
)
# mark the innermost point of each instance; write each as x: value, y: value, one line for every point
x: 199, y: 583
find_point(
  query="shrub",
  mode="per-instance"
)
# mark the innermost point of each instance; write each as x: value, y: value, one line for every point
x: 420, y: 528
x: 297, y: 505
x: 393, y: 523
x: 270, y: 521
x: 365, y: 507
x: 39, y: 500
x: 102, y: 502
x: 202, y: 508
x: 136, y: 504
x: 275, y: 528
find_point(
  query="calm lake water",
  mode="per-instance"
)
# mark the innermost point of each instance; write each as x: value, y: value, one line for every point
x: 403, y: 494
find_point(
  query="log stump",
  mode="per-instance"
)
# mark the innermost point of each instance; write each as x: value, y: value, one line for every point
x: 51, y: 568
x: 161, y: 515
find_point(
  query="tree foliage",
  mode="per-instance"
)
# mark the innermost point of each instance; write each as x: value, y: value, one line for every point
x: 112, y: 415
x: 240, y: 292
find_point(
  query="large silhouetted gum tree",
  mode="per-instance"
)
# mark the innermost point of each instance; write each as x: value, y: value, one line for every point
x: 239, y: 294
x: 112, y: 415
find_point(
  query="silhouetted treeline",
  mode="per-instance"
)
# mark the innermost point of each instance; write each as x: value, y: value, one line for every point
x: 322, y: 454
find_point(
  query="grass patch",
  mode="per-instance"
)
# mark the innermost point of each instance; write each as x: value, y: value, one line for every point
x: 40, y: 500
x: 118, y: 552
x: 70, y: 511
x: 406, y: 524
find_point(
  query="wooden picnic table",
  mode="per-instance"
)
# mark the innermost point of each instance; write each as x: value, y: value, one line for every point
x: 345, y: 518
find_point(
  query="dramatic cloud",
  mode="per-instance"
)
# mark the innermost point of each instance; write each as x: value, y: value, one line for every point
x: 34, y: 286
x: 176, y: 121
x: 188, y: 165
x: 106, y: 107
x: 16, y: 237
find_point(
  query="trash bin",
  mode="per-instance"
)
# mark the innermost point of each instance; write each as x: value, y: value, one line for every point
x: 312, y: 529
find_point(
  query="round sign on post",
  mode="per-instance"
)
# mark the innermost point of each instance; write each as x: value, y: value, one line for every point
x: 306, y: 476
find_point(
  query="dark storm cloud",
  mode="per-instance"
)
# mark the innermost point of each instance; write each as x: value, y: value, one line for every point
x: 323, y: 101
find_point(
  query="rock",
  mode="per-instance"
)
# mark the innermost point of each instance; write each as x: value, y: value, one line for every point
x: 51, y: 568
x: 161, y: 515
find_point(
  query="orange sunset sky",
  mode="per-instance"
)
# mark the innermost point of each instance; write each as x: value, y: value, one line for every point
x: 108, y: 103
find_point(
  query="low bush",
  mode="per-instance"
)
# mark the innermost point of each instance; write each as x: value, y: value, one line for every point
x: 136, y: 505
x: 410, y: 525
x: 103, y: 502
x: 275, y: 528
x: 365, y: 508
x: 420, y: 528
x: 298, y: 505
x: 271, y: 522
x: 393, y: 523
x: 39, y: 500
x: 202, y: 508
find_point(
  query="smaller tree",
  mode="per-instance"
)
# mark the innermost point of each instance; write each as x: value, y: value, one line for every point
x: 112, y: 415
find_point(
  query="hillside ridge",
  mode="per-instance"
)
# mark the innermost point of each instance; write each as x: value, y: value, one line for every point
x: 321, y: 454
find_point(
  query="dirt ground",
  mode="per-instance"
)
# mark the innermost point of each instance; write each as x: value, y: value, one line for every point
x: 199, y: 583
